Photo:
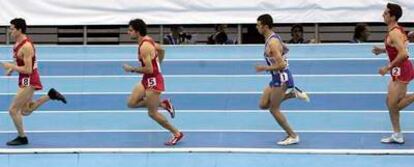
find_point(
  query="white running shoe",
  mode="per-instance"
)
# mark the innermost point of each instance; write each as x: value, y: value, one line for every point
x: 397, y: 139
x: 289, y: 141
x: 301, y: 95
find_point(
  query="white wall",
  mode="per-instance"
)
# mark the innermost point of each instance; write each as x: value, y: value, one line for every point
x: 98, y: 12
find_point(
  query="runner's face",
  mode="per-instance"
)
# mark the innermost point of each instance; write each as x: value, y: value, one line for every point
x: 386, y: 15
x: 14, y: 32
x: 132, y: 33
x: 260, y: 27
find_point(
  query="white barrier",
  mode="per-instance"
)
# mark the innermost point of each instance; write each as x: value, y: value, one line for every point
x: 107, y: 12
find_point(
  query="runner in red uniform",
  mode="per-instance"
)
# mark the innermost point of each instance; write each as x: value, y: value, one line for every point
x: 29, y: 80
x: 148, y: 91
x: 399, y: 67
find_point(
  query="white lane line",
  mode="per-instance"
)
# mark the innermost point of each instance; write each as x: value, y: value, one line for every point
x: 202, y: 131
x: 212, y: 59
x: 206, y: 76
x: 208, y: 150
x: 209, y: 111
x: 200, y: 93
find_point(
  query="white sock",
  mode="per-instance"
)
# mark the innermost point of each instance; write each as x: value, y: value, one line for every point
x: 397, y: 135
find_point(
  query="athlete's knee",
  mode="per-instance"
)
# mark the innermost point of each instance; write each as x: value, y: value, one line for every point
x: 275, y: 110
x: 152, y: 114
x: 30, y: 107
x: 159, y: 119
x: 156, y: 116
x: 28, y: 110
x: 387, y: 100
x: 13, y: 111
x: 392, y: 106
x: 263, y: 106
x: 400, y: 106
x: 274, y: 106
x: 132, y: 103
x: 395, y: 108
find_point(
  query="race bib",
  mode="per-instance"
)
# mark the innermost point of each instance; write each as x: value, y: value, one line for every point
x: 152, y: 82
x: 283, y: 77
x: 396, y: 71
x: 25, y: 81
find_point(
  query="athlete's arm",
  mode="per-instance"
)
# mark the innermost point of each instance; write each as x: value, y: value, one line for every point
x: 160, y: 51
x: 275, y: 47
x: 399, y: 42
x: 28, y: 53
x: 146, y: 50
x: 376, y: 50
x: 8, y: 71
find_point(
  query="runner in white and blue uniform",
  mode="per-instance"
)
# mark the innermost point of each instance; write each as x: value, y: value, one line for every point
x: 283, y: 76
x: 281, y: 87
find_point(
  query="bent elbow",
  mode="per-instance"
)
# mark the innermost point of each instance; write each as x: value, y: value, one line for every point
x: 406, y: 56
x: 282, y: 66
x: 28, y: 71
x: 149, y: 71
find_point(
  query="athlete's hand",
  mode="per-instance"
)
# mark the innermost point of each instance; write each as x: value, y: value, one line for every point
x: 128, y: 68
x: 6, y: 65
x: 383, y: 70
x: 376, y: 50
x: 8, y: 72
x: 7, y: 68
x: 260, y: 68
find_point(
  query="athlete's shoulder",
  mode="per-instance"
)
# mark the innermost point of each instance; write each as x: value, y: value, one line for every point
x: 274, y: 42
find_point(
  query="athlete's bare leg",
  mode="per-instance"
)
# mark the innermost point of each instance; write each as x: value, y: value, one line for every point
x: 138, y: 97
x: 272, y: 98
x: 150, y: 99
x: 264, y: 102
x: 23, y: 97
x: 397, y: 99
x: 276, y: 97
x: 406, y: 99
x: 32, y: 106
x: 153, y: 102
x: 290, y: 95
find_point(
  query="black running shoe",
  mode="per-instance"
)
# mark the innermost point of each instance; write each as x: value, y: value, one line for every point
x: 55, y: 95
x: 18, y: 141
